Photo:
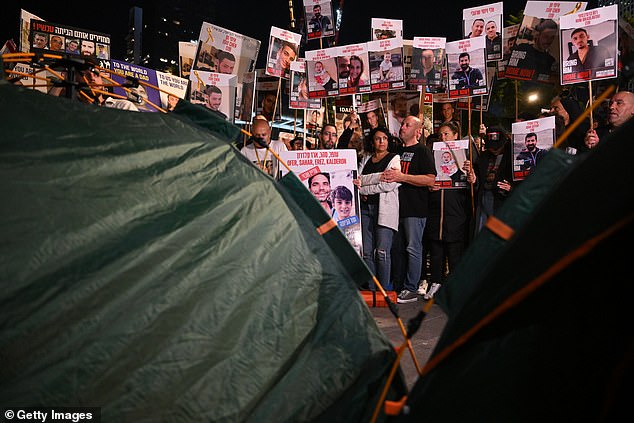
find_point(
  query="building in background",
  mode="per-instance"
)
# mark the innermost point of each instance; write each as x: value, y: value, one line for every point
x: 156, y: 27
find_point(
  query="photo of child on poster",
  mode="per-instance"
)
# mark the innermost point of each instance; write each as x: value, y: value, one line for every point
x: 386, y: 64
x: 449, y: 157
x: 321, y: 70
x: 589, y: 49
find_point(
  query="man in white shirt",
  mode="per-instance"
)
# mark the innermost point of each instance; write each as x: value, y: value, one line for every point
x: 258, y: 153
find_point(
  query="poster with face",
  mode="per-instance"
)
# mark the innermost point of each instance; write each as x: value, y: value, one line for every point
x: 387, y: 70
x: 382, y: 29
x: 485, y: 21
x: 401, y: 104
x: 172, y: 88
x: 319, y: 19
x: 466, y: 67
x: 48, y: 37
x: 481, y: 102
x: 535, y: 54
x: 145, y: 98
x: 223, y: 51
x: 266, y: 95
x: 328, y: 174
x: 298, y: 98
x: 215, y: 91
x: 449, y: 157
x: 372, y: 115
x: 446, y: 111
x: 353, y: 69
x: 589, y: 45
x: 531, y: 140
x: 427, y: 70
x: 283, y: 49
x: 321, y: 69
x: 509, y: 34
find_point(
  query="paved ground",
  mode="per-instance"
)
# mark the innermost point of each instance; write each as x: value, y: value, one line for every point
x: 423, y: 341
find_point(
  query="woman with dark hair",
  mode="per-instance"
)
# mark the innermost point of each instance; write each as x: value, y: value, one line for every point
x: 379, y: 206
x: 356, y: 77
x: 447, y: 221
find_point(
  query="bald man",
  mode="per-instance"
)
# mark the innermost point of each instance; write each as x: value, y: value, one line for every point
x: 257, y: 151
x: 620, y: 111
x: 417, y: 174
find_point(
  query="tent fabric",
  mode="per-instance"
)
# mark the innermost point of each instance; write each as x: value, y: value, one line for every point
x: 564, y: 350
x: 149, y: 269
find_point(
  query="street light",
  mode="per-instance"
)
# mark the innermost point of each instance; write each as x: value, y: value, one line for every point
x: 533, y: 97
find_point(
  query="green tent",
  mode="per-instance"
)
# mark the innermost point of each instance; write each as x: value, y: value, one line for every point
x: 540, y: 325
x: 149, y: 269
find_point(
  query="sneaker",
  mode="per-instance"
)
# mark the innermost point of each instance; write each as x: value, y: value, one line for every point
x: 407, y: 297
x: 422, y: 287
x: 432, y: 291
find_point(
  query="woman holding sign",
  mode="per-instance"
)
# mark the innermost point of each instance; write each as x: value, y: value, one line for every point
x: 379, y: 207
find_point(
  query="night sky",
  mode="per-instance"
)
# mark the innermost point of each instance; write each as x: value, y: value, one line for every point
x: 439, y: 18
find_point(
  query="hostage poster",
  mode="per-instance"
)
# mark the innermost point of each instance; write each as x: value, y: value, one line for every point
x: 329, y: 175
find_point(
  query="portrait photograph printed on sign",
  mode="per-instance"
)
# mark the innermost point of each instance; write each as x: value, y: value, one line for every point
x: 531, y: 140
x: 509, y: 35
x: 372, y: 115
x: 215, y: 91
x: 386, y: 64
x: 319, y: 19
x: 428, y: 55
x: 224, y: 51
x: 466, y: 68
x: 246, y: 94
x: 329, y: 175
x: 589, y: 45
x: 353, y: 69
x: 321, y: 70
x: 283, y: 49
x: 535, y: 56
x: 485, y: 21
x: 298, y: 98
x: 449, y: 157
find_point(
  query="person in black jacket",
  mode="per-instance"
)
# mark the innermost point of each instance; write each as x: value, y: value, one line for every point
x: 492, y: 173
x: 447, y: 222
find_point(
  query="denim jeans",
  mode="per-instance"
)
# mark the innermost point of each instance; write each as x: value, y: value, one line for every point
x: 410, y: 252
x: 377, y: 243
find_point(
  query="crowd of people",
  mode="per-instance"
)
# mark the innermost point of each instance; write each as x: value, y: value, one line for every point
x: 414, y: 233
